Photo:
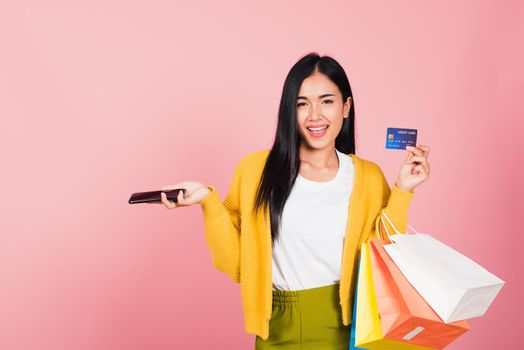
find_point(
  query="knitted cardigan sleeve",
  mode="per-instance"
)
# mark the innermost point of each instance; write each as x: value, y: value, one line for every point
x: 222, y: 227
x: 395, y: 204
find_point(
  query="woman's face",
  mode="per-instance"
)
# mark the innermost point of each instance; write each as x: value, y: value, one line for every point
x: 319, y: 105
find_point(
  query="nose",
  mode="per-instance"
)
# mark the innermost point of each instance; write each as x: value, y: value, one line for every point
x: 315, y: 111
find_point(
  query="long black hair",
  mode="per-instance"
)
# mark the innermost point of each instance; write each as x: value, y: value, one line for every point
x: 283, y: 163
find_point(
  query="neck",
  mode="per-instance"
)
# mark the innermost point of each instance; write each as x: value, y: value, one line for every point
x: 318, y: 158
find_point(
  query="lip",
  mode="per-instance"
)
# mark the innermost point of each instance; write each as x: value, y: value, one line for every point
x: 322, y: 134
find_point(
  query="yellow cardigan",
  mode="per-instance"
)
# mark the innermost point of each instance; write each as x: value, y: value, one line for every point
x: 240, y: 241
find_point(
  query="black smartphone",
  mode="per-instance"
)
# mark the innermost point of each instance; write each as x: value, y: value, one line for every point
x: 154, y: 196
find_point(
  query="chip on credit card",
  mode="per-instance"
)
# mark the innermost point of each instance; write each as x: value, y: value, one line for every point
x: 399, y: 138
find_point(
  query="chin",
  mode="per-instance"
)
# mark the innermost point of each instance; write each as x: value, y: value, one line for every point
x: 318, y: 144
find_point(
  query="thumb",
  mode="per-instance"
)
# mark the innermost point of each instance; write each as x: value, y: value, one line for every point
x: 409, y: 156
x: 171, y: 187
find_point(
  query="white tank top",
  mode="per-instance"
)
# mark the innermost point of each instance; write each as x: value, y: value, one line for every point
x: 308, y: 253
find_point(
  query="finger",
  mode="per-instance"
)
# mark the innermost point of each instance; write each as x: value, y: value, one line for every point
x: 163, y: 198
x: 424, y: 148
x: 424, y: 165
x: 414, y: 150
x: 419, y: 160
x: 180, y: 198
x: 419, y: 170
x: 409, y: 155
x: 422, y: 171
x: 169, y: 204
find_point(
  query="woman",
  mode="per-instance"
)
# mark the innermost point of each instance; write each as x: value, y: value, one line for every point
x: 290, y: 227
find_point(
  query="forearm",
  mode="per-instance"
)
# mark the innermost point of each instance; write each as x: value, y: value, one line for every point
x: 397, y: 209
x: 222, y: 234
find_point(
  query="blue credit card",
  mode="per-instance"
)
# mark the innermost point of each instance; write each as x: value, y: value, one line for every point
x: 399, y: 138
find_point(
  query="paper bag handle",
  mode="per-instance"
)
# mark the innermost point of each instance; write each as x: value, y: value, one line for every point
x: 383, y: 214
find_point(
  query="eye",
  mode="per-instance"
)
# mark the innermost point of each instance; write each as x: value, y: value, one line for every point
x: 300, y: 104
x: 330, y: 101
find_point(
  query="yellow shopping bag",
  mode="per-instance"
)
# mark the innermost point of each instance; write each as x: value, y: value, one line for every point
x: 368, y: 329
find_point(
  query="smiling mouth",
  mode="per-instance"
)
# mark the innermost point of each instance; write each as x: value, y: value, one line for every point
x: 318, y: 131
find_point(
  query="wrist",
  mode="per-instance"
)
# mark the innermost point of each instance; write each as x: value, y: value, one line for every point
x: 209, y: 189
x: 403, y: 188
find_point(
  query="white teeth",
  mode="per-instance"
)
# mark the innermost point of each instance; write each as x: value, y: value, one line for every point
x: 318, y: 129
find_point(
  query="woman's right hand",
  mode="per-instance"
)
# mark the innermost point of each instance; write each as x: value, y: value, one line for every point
x: 194, y: 193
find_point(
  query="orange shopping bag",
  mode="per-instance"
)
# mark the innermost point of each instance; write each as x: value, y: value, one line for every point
x: 404, y: 314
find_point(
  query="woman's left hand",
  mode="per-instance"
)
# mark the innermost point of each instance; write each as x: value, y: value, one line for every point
x: 415, y: 169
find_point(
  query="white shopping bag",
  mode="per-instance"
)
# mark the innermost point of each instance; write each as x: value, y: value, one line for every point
x: 455, y: 286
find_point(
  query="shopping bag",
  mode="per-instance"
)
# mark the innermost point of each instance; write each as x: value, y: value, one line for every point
x: 352, y: 333
x: 404, y: 314
x: 368, y: 331
x: 456, y: 287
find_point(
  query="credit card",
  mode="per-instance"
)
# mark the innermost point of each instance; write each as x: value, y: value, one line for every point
x: 399, y: 138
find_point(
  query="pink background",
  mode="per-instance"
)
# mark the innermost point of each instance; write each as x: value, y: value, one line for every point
x: 100, y: 99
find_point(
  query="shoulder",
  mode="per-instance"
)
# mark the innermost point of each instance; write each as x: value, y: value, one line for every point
x: 260, y: 154
x: 252, y: 161
x: 254, y: 158
x: 369, y: 168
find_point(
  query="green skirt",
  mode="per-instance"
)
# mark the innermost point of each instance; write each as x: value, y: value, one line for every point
x: 306, y: 319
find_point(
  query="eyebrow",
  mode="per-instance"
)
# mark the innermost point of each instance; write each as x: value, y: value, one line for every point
x: 321, y: 96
